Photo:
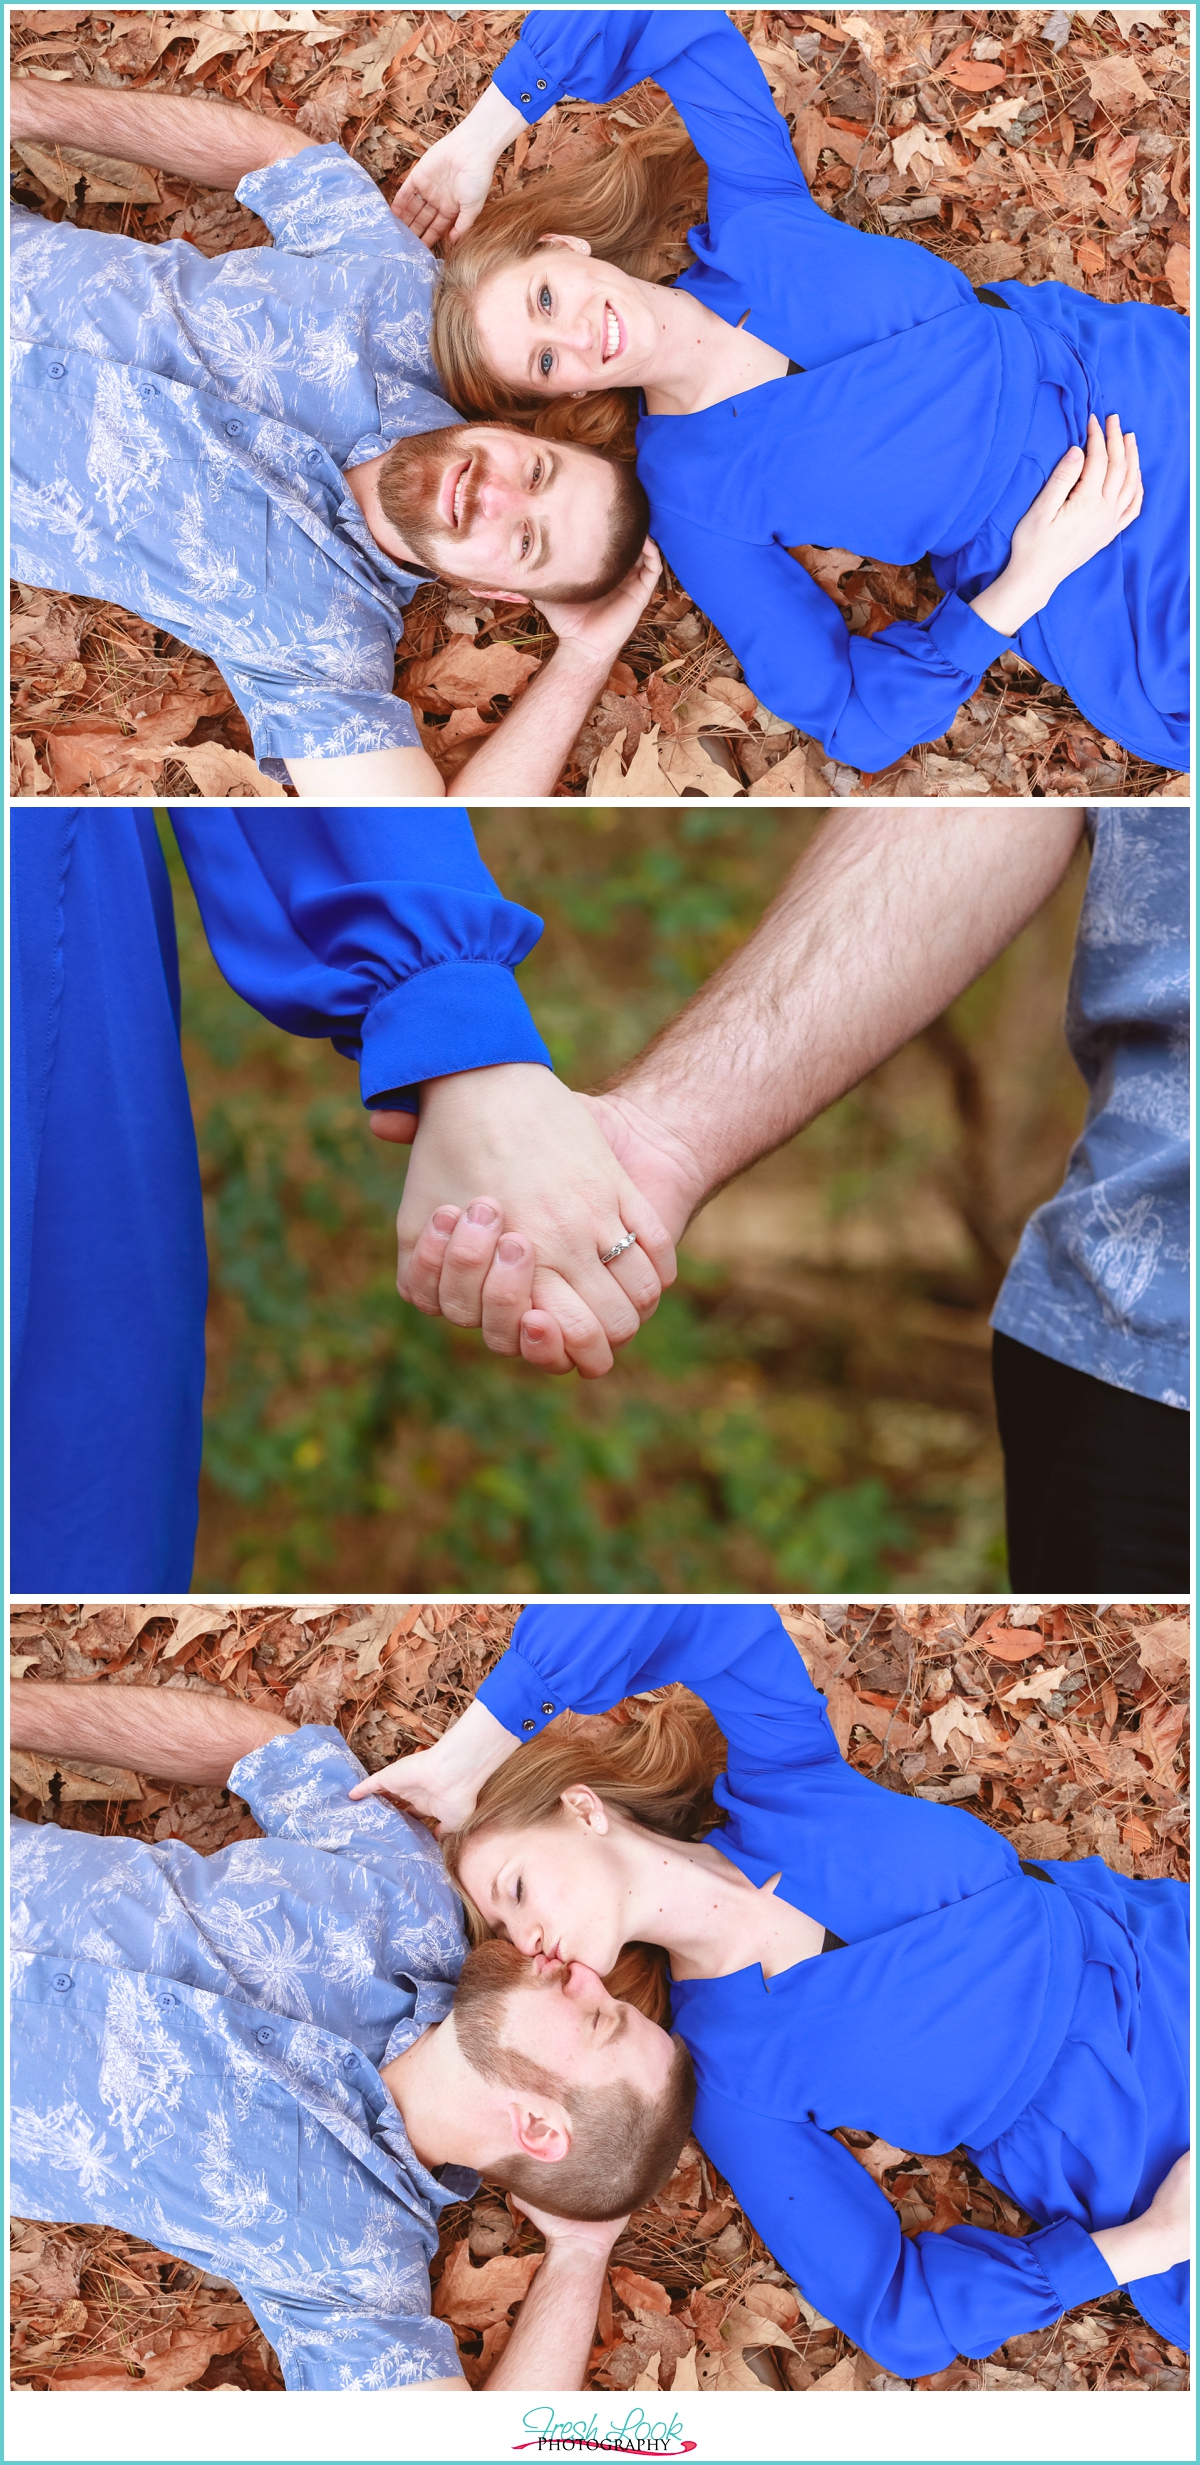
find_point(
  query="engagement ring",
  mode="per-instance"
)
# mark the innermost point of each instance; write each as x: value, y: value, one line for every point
x: 628, y: 1241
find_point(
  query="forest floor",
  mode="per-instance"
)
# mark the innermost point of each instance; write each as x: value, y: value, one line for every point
x: 1062, y: 1727
x: 1014, y: 143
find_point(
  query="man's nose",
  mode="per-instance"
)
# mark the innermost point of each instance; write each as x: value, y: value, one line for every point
x: 499, y: 497
x: 584, y: 1985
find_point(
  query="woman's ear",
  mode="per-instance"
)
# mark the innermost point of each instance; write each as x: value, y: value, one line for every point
x: 587, y: 1808
x: 565, y: 239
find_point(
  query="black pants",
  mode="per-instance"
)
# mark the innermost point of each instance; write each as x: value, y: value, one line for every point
x: 1097, y: 1487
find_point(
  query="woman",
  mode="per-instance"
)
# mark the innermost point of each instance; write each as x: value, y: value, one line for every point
x: 803, y: 382
x: 1035, y: 2015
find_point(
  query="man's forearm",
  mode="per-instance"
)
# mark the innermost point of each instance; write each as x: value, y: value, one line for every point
x: 550, y: 2345
x: 525, y: 754
x: 177, y: 1734
x: 890, y: 913
x: 213, y: 143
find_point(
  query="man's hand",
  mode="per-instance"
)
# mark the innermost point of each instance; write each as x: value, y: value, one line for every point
x: 518, y: 1134
x: 444, y: 190
x: 216, y: 144
x: 552, y: 2339
x: 593, y: 631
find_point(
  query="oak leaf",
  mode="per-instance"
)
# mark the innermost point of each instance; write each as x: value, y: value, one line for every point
x: 478, y: 2297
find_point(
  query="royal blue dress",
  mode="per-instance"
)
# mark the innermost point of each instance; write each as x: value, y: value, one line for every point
x: 1043, y: 2026
x: 924, y: 420
x: 379, y: 928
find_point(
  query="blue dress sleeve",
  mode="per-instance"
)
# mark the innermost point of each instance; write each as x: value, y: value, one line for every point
x: 866, y: 700
x: 381, y: 929
x: 741, y: 1661
x: 700, y: 60
x: 911, y: 2303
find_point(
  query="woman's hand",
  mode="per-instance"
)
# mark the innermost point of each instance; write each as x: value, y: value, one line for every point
x: 1160, y: 2237
x: 485, y: 1276
x: 445, y: 190
x: 1087, y: 500
x: 443, y: 1782
x: 520, y: 1135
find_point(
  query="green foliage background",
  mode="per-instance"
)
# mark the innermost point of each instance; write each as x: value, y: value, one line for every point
x: 818, y: 1422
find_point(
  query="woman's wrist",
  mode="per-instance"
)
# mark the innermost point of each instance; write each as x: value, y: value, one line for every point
x: 1010, y: 601
x: 492, y: 123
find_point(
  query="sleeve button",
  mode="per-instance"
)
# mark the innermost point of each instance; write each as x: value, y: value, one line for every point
x: 233, y: 427
x: 527, y: 1724
x: 63, y: 1983
x: 527, y: 98
x: 541, y: 85
x: 547, y: 1707
x: 57, y: 370
x: 263, y: 2036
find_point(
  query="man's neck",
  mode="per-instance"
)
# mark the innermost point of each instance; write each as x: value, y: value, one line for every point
x: 438, y: 2097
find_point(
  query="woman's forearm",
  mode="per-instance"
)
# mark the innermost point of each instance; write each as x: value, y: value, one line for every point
x: 176, y: 1734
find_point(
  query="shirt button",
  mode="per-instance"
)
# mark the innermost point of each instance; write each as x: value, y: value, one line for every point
x: 547, y: 1707
x: 63, y: 1983
x: 348, y: 2062
x: 233, y: 427
x: 263, y: 2036
x: 56, y: 369
x: 541, y: 85
x: 528, y: 1724
x: 167, y: 2002
x: 147, y: 391
x: 313, y: 458
x: 527, y: 98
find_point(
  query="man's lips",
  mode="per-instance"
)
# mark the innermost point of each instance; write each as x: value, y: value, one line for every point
x: 452, y: 493
x: 614, y: 335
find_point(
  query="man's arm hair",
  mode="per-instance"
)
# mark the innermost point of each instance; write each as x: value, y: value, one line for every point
x: 190, y: 1734
x: 889, y: 914
x: 213, y: 143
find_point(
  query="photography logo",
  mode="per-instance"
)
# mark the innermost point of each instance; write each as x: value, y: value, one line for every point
x: 635, y: 2435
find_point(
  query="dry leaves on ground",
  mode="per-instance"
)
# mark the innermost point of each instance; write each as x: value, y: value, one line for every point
x: 1015, y: 143
x: 1064, y: 1728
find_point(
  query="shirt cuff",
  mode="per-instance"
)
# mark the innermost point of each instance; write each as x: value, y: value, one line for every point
x: 467, y: 1014
x: 1071, y: 2263
x: 518, y: 1697
x: 523, y: 81
x: 965, y: 640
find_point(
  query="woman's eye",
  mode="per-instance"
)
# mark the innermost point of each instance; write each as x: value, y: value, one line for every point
x: 544, y: 299
x: 539, y: 473
x: 546, y: 364
x: 520, y: 1891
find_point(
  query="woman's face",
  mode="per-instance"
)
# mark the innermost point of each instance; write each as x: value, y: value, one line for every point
x: 553, y: 1888
x: 563, y: 322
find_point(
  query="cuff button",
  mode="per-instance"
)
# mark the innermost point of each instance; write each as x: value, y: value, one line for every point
x: 541, y: 85
x: 527, y: 98
x: 528, y: 1724
x: 547, y: 1707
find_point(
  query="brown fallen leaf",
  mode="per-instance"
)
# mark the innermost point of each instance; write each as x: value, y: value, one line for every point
x: 1117, y: 84
x: 462, y: 677
x: 218, y: 771
x: 1165, y: 1648
x: 1178, y: 271
x: 477, y: 2297
x: 27, y: 778
x: 60, y: 169
x: 639, y: 2293
x: 316, y: 1696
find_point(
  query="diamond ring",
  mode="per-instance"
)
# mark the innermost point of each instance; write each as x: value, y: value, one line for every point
x: 628, y: 1241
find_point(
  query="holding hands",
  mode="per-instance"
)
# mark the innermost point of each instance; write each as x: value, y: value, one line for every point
x: 592, y: 1255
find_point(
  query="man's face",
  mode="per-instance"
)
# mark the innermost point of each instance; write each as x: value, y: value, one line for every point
x: 562, y: 2017
x: 507, y: 514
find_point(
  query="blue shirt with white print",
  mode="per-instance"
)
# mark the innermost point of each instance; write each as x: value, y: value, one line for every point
x: 1100, y: 1279
x: 180, y: 429
x: 196, y: 2045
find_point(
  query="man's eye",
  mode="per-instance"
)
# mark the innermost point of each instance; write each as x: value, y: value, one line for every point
x: 546, y: 364
x: 544, y: 301
x: 526, y: 545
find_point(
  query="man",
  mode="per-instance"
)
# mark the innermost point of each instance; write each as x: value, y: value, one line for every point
x: 888, y: 916
x: 253, y: 452
x: 258, y: 2060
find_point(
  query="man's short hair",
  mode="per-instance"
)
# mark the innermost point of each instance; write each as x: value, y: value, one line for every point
x: 624, y: 2146
x: 628, y: 526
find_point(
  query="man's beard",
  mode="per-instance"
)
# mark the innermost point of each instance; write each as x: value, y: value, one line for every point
x: 492, y: 1973
x: 408, y: 491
